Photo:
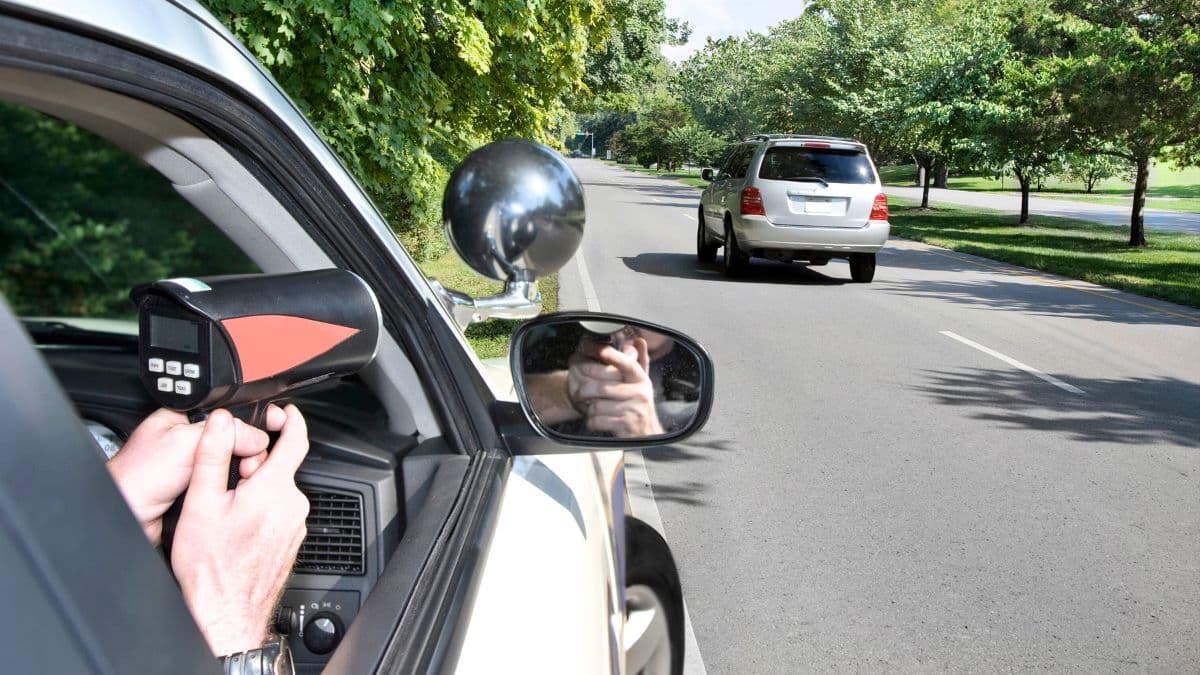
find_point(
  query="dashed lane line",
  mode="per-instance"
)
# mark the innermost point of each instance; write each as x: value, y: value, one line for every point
x: 1015, y: 363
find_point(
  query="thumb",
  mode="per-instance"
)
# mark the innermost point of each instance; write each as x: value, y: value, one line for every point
x: 210, y: 474
x: 643, y: 354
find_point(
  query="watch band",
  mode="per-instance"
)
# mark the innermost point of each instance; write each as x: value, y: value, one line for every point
x: 273, y: 658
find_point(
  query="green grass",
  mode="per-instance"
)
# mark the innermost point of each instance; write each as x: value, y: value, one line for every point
x: 1168, y: 269
x: 687, y: 175
x: 490, y: 338
x: 1171, y: 188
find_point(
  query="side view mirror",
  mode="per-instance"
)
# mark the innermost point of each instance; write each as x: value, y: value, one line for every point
x: 513, y: 211
x: 706, y: 174
x: 594, y: 379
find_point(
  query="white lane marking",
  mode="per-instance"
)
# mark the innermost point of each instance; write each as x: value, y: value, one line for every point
x: 1015, y: 363
x: 589, y: 291
x: 640, y: 492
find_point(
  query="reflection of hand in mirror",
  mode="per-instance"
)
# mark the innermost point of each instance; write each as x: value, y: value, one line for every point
x: 610, y: 386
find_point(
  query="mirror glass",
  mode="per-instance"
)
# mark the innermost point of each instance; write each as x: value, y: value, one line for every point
x: 606, y: 379
x: 514, y: 210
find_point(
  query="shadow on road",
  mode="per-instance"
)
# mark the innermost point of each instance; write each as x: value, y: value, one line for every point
x: 685, y: 266
x: 697, y: 448
x: 673, y: 204
x: 1131, y: 411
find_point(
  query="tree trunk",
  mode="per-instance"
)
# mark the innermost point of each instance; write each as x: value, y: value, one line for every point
x: 927, y: 172
x: 941, y: 174
x: 1137, y: 224
x: 920, y: 178
x: 1023, y: 179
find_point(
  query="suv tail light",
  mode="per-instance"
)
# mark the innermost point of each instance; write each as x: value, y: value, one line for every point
x: 878, y: 209
x: 752, y: 202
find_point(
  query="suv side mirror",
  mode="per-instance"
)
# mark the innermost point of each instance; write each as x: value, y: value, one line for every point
x: 706, y: 174
x: 513, y: 211
x: 665, y: 393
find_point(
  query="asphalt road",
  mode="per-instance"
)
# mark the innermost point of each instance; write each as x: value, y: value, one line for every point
x: 1155, y: 219
x: 886, y: 484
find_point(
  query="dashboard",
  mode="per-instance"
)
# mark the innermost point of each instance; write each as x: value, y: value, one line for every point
x: 361, y: 479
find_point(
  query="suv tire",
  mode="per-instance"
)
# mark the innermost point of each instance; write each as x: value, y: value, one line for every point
x: 735, y: 260
x: 862, y: 267
x: 706, y: 248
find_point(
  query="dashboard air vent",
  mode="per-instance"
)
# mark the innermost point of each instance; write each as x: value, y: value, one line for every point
x: 334, y: 544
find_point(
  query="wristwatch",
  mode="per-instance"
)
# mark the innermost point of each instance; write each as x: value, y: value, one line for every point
x: 273, y: 658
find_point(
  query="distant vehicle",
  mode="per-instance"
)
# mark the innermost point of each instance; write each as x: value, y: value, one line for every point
x: 794, y: 198
x: 575, y: 154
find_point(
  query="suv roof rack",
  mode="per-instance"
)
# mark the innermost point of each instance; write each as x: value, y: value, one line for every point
x: 784, y: 137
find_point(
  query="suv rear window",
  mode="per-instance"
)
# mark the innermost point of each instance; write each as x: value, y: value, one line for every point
x: 784, y: 162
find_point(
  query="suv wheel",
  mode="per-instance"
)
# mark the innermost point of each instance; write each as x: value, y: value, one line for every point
x: 735, y: 259
x: 862, y: 267
x: 706, y: 248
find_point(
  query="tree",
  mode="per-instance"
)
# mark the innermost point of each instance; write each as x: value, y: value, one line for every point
x: 1090, y: 168
x: 648, y: 137
x: 602, y: 124
x: 1022, y: 124
x: 950, y: 63
x: 621, y: 149
x: 627, y: 59
x: 720, y: 85
x: 401, y: 89
x: 694, y: 144
x: 1132, y: 80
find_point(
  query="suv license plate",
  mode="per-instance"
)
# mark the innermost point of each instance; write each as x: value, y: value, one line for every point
x: 817, y: 206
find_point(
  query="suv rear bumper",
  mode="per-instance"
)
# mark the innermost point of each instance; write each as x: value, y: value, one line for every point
x: 758, y: 232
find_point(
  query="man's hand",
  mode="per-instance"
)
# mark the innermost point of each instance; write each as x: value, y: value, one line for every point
x: 154, y: 466
x: 233, y: 549
x: 612, y: 388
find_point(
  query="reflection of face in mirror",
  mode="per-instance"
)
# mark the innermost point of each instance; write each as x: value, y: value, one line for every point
x: 610, y: 380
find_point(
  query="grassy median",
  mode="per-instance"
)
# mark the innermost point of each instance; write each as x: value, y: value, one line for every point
x: 1168, y: 269
x: 687, y: 175
x: 489, y: 338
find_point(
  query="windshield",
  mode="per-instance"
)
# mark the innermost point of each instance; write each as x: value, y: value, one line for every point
x: 83, y: 221
x: 828, y: 164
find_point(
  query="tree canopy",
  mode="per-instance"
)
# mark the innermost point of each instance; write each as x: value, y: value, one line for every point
x: 403, y: 89
x: 1023, y: 86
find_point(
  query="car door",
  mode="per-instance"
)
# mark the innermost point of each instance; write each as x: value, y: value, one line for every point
x: 716, y: 207
x: 731, y: 192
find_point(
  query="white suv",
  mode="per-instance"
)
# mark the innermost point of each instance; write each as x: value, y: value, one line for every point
x: 794, y: 198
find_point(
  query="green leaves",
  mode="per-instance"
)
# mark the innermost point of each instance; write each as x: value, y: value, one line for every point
x: 403, y: 90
